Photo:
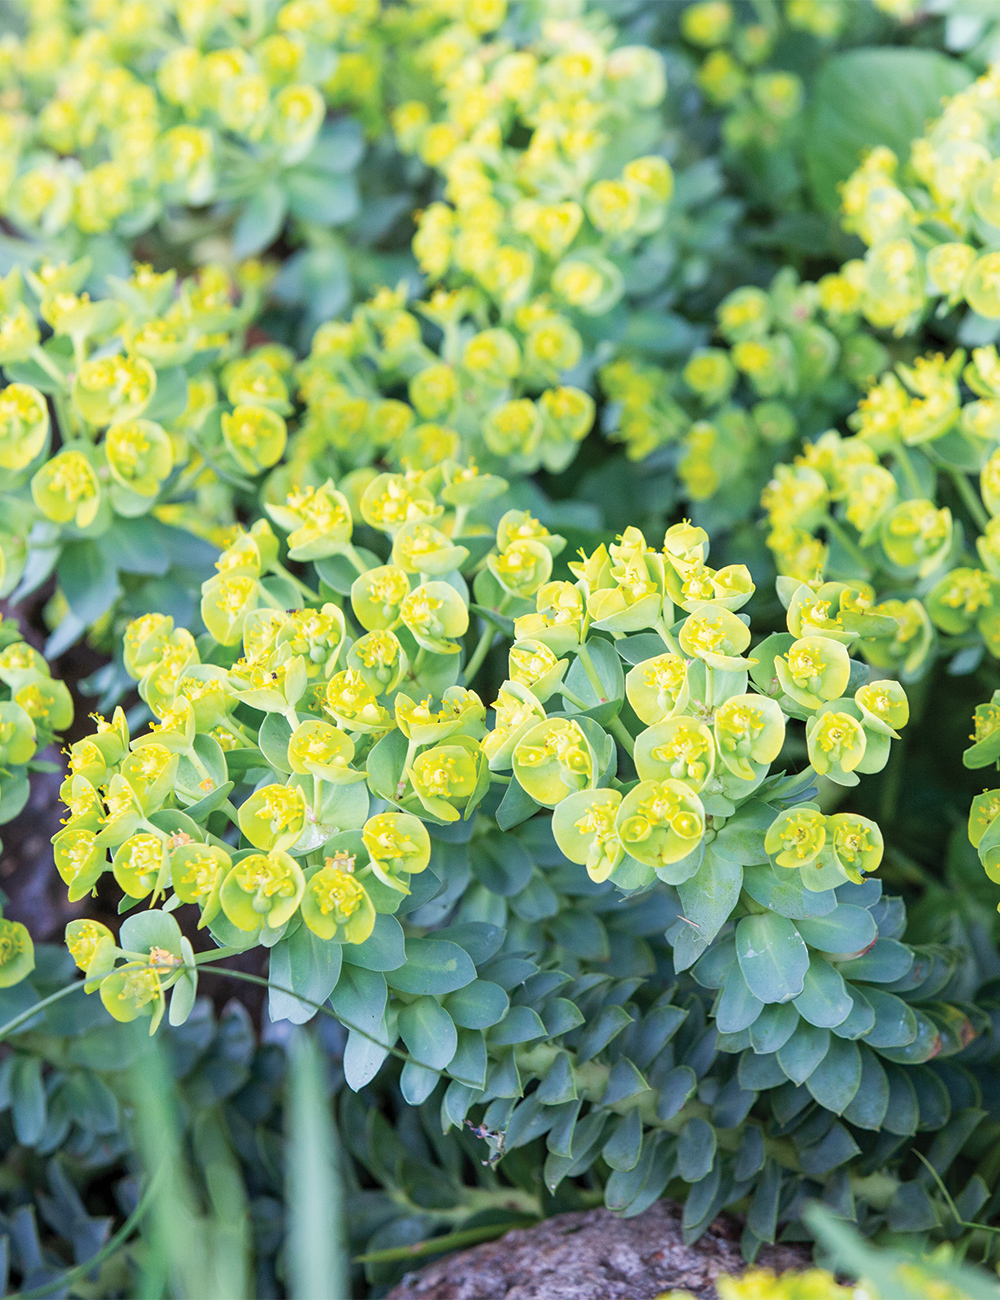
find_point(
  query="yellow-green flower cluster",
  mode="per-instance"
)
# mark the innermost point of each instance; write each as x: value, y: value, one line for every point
x: 522, y: 128
x: 706, y: 743
x: 762, y: 104
x: 787, y: 353
x: 34, y: 708
x: 887, y: 506
x: 491, y: 394
x: 763, y: 1284
x: 113, y: 114
x: 154, y: 409
x: 302, y: 706
x: 930, y: 223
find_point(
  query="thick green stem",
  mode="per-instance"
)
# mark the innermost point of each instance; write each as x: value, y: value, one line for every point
x: 622, y: 735
x: 482, y: 649
x: 296, y: 582
x: 484, y: 644
x: 971, y: 502
x: 592, y: 676
x: 906, y: 465
x: 25, y: 1016
x: 834, y: 528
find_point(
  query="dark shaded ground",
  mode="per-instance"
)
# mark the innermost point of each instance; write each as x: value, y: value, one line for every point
x: 592, y: 1255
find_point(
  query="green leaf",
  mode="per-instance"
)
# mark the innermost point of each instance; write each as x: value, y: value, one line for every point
x: 867, y: 97
x: 911, y: 1210
x: 902, y: 1116
x: 433, y: 966
x: 895, y: 1023
x: 384, y: 949
x: 516, y: 806
x: 339, y: 147
x: 606, y: 1025
x: 306, y: 964
x: 273, y: 737
x: 836, y: 1079
x: 558, y: 1085
x: 169, y: 400
x: 339, y: 573
x: 624, y: 1147
x: 803, y: 1051
x: 708, y: 898
x: 88, y: 578
x: 321, y: 197
x: 520, y: 1025
x: 835, y: 1148
x: 846, y: 929
x: 885, y: 962
x: 603, y: 706
x: 762, y: 1215
x: 478, y: 1005
x: 152, y: 929
x: 428, y: 1032
x: 742, y: 837
x: 385, y: 764
x: 737, y: 1008
x: 260, y: 221
x: 871, y: 1101
x: 468, y: 1065
x: 501, y: 863
x: 695, y: 1150
x: 774, y: 1027
x: 772, y: 957
x: 824, y: 1000
x: 784, y: 893
x: 360, y: 1001
x: 27, y: 1096
x: 624, y: 1082
x: 673, y: 1091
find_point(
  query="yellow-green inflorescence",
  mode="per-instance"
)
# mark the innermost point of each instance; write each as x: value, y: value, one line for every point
x: 300, y: 751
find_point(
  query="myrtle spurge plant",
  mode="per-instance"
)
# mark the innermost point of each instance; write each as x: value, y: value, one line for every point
x: 929, y: 221
x: 491, y: 394
x: 793, y: 359
x: 323, y: 779
x: 135, y: 404
x: 525, y: 134
x: 35, y: 707
x: 906, y: 506
x: 114, y: 126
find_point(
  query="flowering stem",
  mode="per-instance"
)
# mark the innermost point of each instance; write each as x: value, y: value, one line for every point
x: 17, y: 1021
x: 622, y: 735
x: 484, y: 643
x: 591, y: 671
x: 354, y: 559
x: 906, y: 465
x: 41, y: 358
x: 667, y: 637
x: 969, y: 499
x: 435, y: 1245
x: 852, y: 548
x: 481, y: 651
x: 297, y: 582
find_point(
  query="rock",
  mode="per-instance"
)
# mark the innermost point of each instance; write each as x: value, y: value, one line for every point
x: 592, y: 1255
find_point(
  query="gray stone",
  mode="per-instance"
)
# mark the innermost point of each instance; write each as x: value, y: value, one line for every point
x: 592, y: 1255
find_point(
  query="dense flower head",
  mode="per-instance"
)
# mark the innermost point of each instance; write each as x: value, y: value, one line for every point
x: 869, y: 507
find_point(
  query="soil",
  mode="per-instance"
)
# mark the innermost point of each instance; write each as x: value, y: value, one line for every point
x: 592, y: 1255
